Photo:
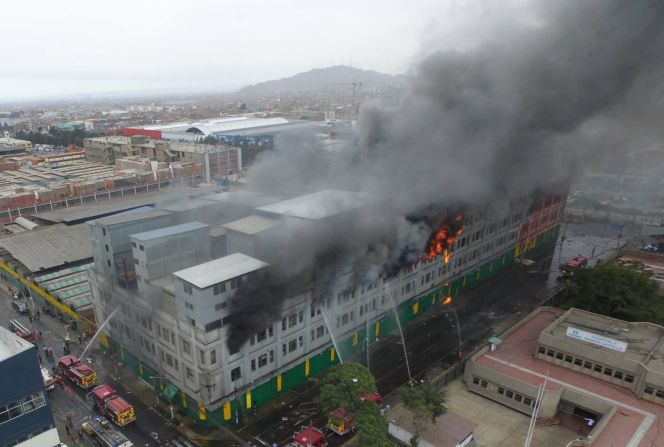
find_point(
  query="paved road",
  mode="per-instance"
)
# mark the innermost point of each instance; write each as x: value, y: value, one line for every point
x: 71, y: 399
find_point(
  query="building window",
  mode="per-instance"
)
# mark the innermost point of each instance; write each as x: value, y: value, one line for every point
x: 220, y: 306
x: 188, y: 305
x: 262, y: 360
x: 201, y: 356
x: 189, y: 373
x: 501, y: 390
x: 509, y: 394
x: 518, y: 397
x: 186, y: 347
x: 300, y: 340
x: 108, y: 262
x: 234, y: 351
x: 141, y: 248
x: 216, y: 324
x: 598, y: 368
x: 261, y: 336
x: 292, y: 345
x: 292, y: 320
x: 283, y: 349
x: 476, y: 381
x: 660, y: 394
x: 300, y: 316
x: 218, y: 289
x: 559, y: 355
x: 103, y: 231
x: 234, y: 283
x: 649, y: 390
x: 272, y: 356
x: 270, y: 331
x: 568, y: 358
x: 629, y: 378
x: 541, y: 350
x: 549, y: 352
x: 527, y: 401
x: 608, y: 371
x: 484, y: 383
x: 106, y: 247
x: 578, y: 362
x: 587, y: 365
x: 213, y: 357
x: 253, y: 364
x: 618, y: 375
x: 236, y: 374
x: 187, y: 288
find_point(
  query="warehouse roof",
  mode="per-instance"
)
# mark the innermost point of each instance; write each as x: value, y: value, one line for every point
x: 220, y: 270
x: 50, y: 246
x: 253, y: 224
x: 169, y: 231
x: 124, y: 218
x: 320, y: 205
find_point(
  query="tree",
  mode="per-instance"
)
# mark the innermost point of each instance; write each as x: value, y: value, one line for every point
x: 617, y: 291
x: 426, y: 401
x: 344, y: 385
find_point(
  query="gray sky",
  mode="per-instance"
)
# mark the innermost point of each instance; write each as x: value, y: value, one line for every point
x: 75, y: 47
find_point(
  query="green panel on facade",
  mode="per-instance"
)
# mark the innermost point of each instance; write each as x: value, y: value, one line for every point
x: 294, y: 377
x: 264, y: 393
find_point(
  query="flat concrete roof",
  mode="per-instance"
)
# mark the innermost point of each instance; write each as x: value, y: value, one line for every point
x: 247, y: 198
x: 253, y: 224
x: 11, y: 344
x: 124, y: 218
x: 320, y: 205
x: 169, y: 231
x: 448, y: 430
x: 633, y: 424
x: 50, y: 246
x: 106, y: 207
x: 220, y: 270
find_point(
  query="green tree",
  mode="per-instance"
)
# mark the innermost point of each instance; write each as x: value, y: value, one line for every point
x: 617, y: 291
x: 344, y: 385
x: 426, y: 401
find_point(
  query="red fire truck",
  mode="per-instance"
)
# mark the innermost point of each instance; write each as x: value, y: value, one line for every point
x: 113, y: 406
x: 572, y: 266
x: 308, y: 437
x: 22, y: 331
x: 84, y: 376
x: 341, y: 422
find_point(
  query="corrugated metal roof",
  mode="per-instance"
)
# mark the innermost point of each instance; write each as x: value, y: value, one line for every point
x: 168, y: 231
x: 219, y: 270
x: 50, y: 246
x: 253, y: 224
x: 247, y: 198
x: 321, y: 204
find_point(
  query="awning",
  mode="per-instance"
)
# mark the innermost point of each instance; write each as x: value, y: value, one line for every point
x: 170, y: 391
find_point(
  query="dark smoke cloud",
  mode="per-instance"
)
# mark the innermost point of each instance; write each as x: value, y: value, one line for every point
x: 580, y: 83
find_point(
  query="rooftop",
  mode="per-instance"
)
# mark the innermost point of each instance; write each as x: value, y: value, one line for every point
x: 11, y: 344
x: 449, y: 430
x: 220, y: 270
x: 632, y: 423
x: 125, y: 218
x: 248, y: 198
x: 49, y: 246
x: 169, y: 231
x: 219, y: 125
x: 321, y: 204
x: 253, y: 224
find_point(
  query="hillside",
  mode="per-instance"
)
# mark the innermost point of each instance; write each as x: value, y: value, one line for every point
x: 335, y: 78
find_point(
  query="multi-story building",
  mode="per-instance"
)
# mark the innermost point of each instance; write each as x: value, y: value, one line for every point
x: 25, y: 416
x: 176, y: 318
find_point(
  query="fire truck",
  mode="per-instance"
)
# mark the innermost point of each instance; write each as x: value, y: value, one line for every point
x: 113, y: 406
x: 49, y: 380
x: 308, y: 437
x: 573, y: 265
x: 341, y: 422
x: 22, y: 331
x: 84, y: 376
x: 103, y: 431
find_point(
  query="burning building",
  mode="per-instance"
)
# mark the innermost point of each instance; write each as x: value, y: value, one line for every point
x: 233, y: 330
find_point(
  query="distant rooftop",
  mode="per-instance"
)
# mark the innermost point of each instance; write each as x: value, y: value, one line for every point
x: 220, y: 270
x: 169, y: 231
x: 219, y: 125
x: 320, y: 205
x: 124, y: 218
x: 248, y: 198
x: 49, y: 246
x: 11, y: 344
x: 253, y: 224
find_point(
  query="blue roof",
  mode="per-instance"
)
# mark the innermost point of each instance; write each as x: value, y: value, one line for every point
x: 169, y: 231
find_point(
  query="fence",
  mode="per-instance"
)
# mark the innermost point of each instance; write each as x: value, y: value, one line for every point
x: 8, y: 215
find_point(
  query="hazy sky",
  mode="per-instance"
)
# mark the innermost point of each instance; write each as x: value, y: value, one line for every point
x: 74, y: 47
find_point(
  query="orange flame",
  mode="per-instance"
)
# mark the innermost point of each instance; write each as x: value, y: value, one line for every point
x: 441, y: 242
x: 447, y: 300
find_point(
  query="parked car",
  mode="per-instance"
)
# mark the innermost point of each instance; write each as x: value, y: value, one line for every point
x: 20, y: 307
